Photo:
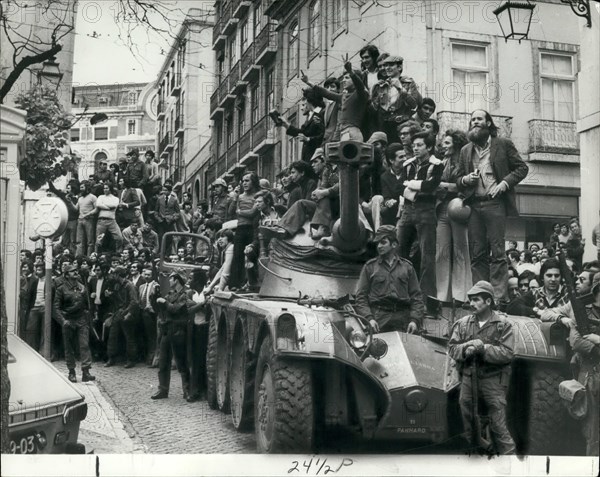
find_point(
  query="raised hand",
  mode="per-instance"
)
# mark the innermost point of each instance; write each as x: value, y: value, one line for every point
x: 347, y: 64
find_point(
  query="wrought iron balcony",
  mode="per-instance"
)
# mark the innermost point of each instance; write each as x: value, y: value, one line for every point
x: 277, y: 9
x: 160, y: 109
x: 245, y: 144
x: 176, y: 84
x: 225, y: 96
x: 179, y: 125
x: 228, y: 21
x: 240, y: 7
x: 164, y: 143
x: 218, y: 39
x: 459, y: 120
x: 249, y: 70
x: 553, y: 137
x: 235, y: 83
x: 263, y: 135
x: 266, y: 44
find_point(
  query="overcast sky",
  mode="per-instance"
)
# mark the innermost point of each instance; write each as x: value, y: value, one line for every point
x: 102, y: 57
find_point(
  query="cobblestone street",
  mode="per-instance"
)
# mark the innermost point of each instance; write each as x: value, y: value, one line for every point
x: 169, y: 426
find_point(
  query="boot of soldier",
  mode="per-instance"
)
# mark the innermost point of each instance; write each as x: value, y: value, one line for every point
x: 86, y: 376
x: 72, y: 375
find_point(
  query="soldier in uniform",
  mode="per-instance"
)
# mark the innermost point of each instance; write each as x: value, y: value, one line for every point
x: 71, y: 307
x: 388, y: 292
x: 174, y: 314
x: 587, y: 364
x: 485, y: 336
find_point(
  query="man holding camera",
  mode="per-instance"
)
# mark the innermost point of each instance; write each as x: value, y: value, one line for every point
x: 483, y: 343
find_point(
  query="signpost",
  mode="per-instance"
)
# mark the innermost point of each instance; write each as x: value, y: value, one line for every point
x: 49, y: 218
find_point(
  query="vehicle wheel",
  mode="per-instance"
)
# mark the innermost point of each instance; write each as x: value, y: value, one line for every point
x: 241, y: 380
x: 284, y: 413
x: 222, y: 374
x: 547, y: 416
x: 211, y: 364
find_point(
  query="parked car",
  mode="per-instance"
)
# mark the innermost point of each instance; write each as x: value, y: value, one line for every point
x: 45, y: 409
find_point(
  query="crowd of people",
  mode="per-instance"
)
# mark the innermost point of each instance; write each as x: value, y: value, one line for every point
x: 434, y: 201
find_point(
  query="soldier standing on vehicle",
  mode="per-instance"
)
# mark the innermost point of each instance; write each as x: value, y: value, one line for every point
x: 71, y: 307
x: 174, y: 315
x: 486, y: 339
x: 388, y: 293
x: 587, y: 361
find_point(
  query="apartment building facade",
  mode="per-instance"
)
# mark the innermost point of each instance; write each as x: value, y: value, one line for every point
x: 453, y: 50
x: 130, y: 110
x: 183, y: 88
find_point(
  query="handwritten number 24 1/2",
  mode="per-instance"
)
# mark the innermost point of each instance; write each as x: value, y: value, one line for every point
x: 319, y: 467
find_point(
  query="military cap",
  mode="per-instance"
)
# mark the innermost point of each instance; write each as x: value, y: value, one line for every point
x: 220, y: 182
x: 392, y: 59
x: 385, y: 231
x: 318, y: 153
x: 378, y: 136
x: 134, y: 152
x: 178, y: 275
x: 482, y: 287
x: 120, y: 271
x: 71, y: 268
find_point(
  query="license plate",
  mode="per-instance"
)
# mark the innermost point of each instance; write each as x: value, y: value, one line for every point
x: 25, y: 444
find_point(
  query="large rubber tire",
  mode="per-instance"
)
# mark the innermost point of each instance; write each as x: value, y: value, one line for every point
x: 222, y: 373
x: 284, y: 410
x: 211, y: 364
x: 547, y: 416
x: 241, y: 380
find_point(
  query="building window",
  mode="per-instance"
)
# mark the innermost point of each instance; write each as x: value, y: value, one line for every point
x: 292, y: 142
x: 258, y: 19
x: 229, y: 130
x: 75, y: 134
x: 241, y: 107
x: 470, y: 72
x: 101, y: 134
x: 269, y: 91
x: 131, y: 130
x: 254, y: 104
x: 232, y: 52
x: 293, y: 49
x: 219, y: 138
x: 340, y: 14
x: 558, y: 87
x: 314, y: 35
x: 132, y: 98
x: 244, y: 36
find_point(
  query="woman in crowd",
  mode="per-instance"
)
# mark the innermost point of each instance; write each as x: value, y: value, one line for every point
x: 453, y: 271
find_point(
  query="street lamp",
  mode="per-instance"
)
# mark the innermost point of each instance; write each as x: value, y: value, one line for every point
x: 515, y: 19
x: 50, y: 74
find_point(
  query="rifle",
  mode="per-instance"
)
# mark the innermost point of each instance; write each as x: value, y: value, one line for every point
x: 476, y: 435
x: 577, y: 303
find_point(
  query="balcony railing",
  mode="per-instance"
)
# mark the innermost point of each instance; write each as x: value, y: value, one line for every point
x: 558, y: 137
x: 216, y: 32
x: 246, y: 143
x: 160, y: 109
x: 179, y: 125
x: 228, y: 21
x: 266, y: 44
x: 249, y: 69
x: 221, y: 165
x: 164, y: 142
x: 263, y: 135
x: 277, y: 9
x: 176, y: 84
x: 232, y: 155
x: 240, y: 7
x: 457, y: 120
x: 222, y: 90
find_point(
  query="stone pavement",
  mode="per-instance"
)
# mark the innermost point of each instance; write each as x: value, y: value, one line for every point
x: 168, y: 426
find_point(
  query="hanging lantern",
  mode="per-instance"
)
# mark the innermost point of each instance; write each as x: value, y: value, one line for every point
x: 515, y: 19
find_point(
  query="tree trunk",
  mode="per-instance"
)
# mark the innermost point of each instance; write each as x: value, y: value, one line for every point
x: 5, y: 388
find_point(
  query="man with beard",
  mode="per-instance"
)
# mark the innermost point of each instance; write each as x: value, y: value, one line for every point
x: 489, y: 168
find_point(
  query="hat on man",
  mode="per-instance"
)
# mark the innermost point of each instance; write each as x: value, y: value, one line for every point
x: 134, y: 152
x: 378, y: 136
x: 318, y: 153
x: 220, y: 182
x: 392, y: 59
x: 121, y: 271
x: 178, y: 276
x: 385, y: 231
x: 264, y: 183
x: 71, y: 268
x: 482, y: 287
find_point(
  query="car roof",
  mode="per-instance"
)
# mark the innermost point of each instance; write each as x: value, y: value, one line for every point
x: 34, y: 382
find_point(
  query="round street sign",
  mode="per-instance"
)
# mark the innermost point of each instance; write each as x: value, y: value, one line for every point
x: 49, y: 217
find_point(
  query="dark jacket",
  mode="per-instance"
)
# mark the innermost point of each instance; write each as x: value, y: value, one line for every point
x: 71, y: 301
x: 507, y: 165
x: 167, y: 209
x: 301, y: 190
x: 221, y: 207
x: 430, y: 175
x: 175, y: 310
x: 313, y: 129
x: 391, y: 188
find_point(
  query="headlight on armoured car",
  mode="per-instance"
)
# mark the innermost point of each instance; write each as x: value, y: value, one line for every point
x: 357, y: 339
x: 415, y: 400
